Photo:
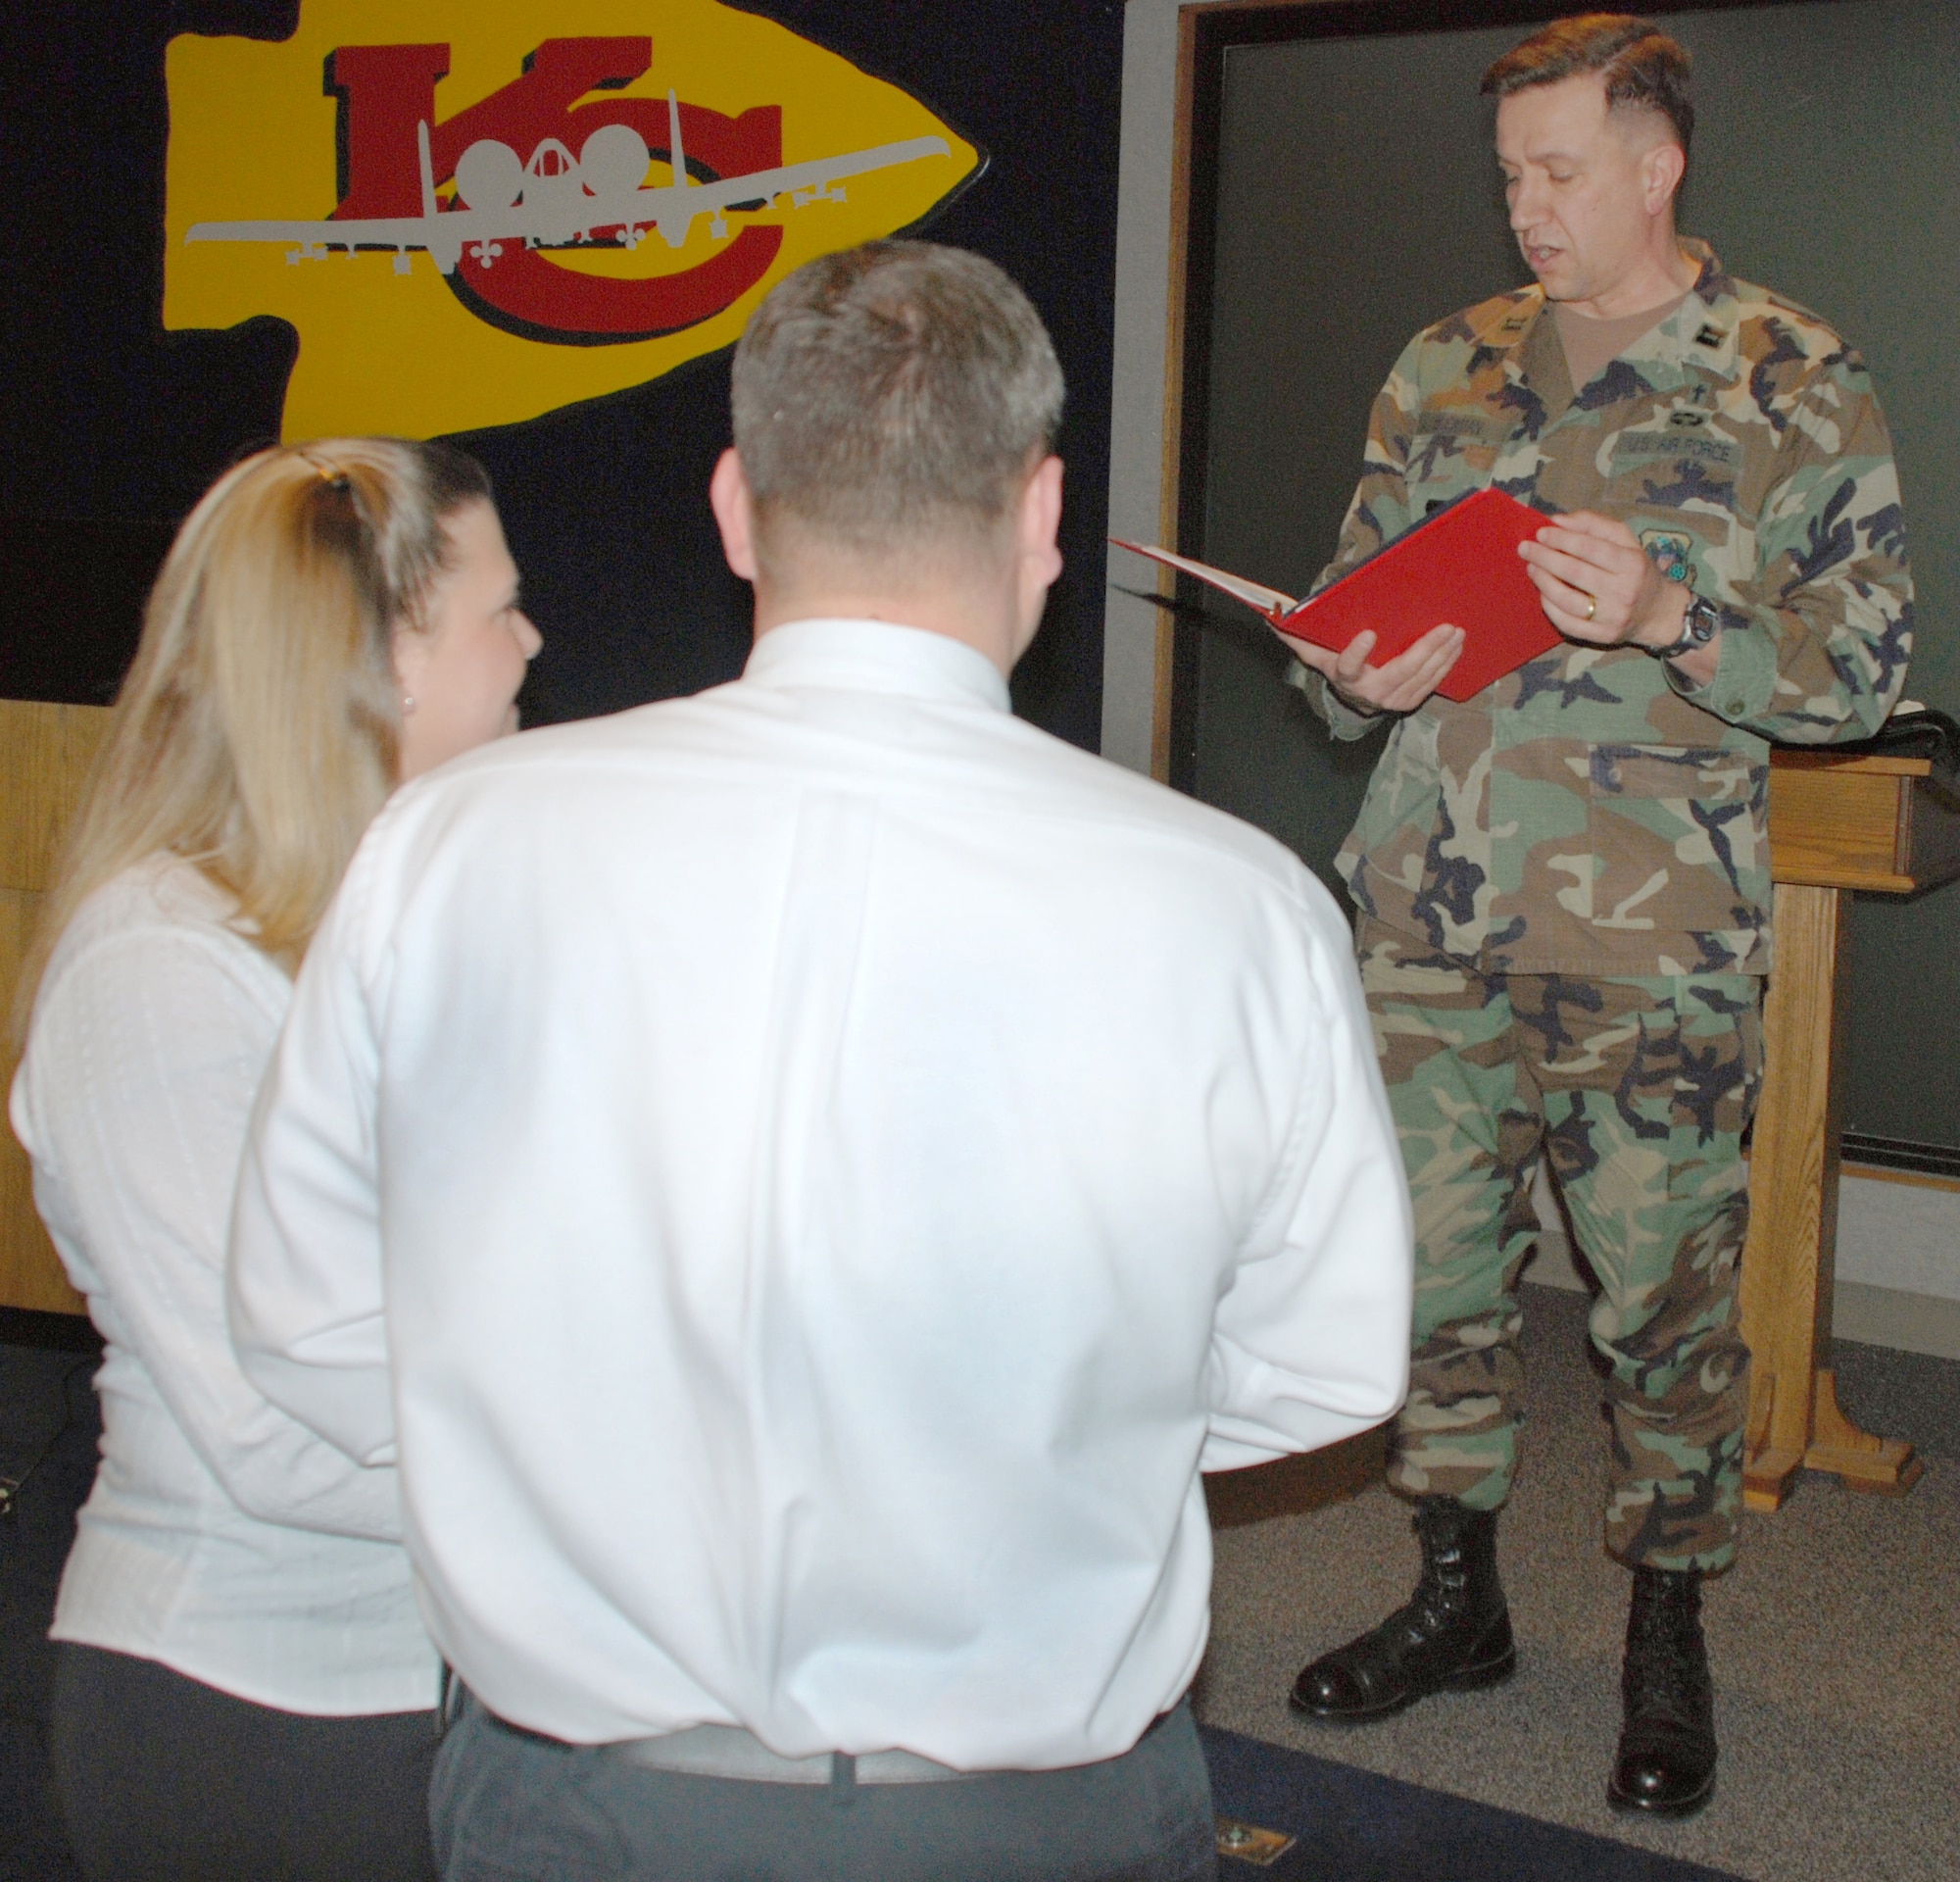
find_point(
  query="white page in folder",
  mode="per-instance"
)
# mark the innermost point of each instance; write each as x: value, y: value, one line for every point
x: 1268, y: 601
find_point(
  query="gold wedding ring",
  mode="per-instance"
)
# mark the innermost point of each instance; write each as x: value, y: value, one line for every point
x: 1592, y: 606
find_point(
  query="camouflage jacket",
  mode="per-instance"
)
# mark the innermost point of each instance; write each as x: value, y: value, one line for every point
x: 1594, y: 813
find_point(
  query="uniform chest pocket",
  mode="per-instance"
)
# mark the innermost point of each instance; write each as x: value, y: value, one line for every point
x: 1675, y: 833
x: 1632, y: 772
x: 1670, y: 475
x: 1450, y: 453
x: 1682, y: 509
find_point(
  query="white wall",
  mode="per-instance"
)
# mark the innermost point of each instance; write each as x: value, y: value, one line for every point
x: 1136, y: 446
x: 1898, y: 1265
x: 1898, y: 1262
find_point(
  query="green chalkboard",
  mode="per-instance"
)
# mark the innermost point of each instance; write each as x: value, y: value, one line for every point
x: 1357, y: 200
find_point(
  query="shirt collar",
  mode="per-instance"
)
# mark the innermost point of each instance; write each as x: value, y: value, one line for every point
x: 1703, y: 331
x: 876, y: 656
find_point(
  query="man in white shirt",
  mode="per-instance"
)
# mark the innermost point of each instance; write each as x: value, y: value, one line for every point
x: 804, y: 1178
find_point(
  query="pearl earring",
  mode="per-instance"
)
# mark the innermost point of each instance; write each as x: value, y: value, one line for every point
x: 407, y: 704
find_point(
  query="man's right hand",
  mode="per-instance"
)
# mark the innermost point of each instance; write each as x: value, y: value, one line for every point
x: 1398, y: 685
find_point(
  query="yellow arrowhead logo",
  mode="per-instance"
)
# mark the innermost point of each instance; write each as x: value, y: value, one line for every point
x: 477, y: 213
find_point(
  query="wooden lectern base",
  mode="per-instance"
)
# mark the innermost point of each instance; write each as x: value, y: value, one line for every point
x: 1880, y: 1466
x: 1839, y: 823
x: 1795, y: 1420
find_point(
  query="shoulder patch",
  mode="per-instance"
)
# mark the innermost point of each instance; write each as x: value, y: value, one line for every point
x: 1670, y: 550
x: 1500, y: 320
x: 1814, y: 335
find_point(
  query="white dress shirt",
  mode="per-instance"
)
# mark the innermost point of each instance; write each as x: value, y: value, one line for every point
x: 803, y: 1175
x: 222, y: 1538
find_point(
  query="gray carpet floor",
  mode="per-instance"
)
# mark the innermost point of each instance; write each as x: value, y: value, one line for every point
x: 1835, y: 1640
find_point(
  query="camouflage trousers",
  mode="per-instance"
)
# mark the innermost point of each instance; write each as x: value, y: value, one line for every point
x: 1638, y: 1091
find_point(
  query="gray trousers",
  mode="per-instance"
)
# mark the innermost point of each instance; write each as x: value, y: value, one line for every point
x: 162, y: 1778
x: 507, y: 1805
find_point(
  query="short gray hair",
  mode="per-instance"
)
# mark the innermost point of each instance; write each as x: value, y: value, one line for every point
x: 893, y: 395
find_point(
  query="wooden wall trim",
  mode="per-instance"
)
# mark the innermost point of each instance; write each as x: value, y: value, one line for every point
x: 1190, y: 21
x: 46, y: 752
x: 1178, y: 262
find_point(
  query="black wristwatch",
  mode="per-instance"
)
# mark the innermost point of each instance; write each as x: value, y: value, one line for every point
x: 1699, y: 626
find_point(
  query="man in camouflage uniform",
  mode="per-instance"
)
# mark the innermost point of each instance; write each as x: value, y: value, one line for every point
x: 1563, y: 884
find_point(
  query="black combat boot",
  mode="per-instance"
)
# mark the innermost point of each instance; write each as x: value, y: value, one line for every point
x: 1455, y: 1633
x: 1666, y: 1761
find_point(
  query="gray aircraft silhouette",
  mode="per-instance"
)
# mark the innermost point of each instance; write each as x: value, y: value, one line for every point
x: 555, y: 198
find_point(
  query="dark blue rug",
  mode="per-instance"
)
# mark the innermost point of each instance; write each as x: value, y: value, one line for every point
x: 1354, y: 1826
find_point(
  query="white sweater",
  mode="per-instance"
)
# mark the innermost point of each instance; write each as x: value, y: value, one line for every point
x: 222, y: 1538
x: 804, y: 1173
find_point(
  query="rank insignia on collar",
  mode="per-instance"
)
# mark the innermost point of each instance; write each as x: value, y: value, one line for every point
x: 1710, y: 335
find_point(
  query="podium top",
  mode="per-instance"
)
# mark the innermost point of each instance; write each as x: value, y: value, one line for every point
x: 1860, y: 764
x: 1843, y: 820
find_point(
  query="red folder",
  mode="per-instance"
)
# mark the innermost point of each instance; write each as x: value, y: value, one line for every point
x: 1460, y: 564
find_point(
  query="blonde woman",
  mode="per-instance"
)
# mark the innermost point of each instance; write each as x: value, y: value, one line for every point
x: 243, y: 1686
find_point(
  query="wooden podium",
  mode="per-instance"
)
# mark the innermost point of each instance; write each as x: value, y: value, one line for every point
x: 45, y: 752
x: 1837, y: 824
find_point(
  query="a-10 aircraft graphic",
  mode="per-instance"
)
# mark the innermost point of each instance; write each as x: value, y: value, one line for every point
x: 556, y: 199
